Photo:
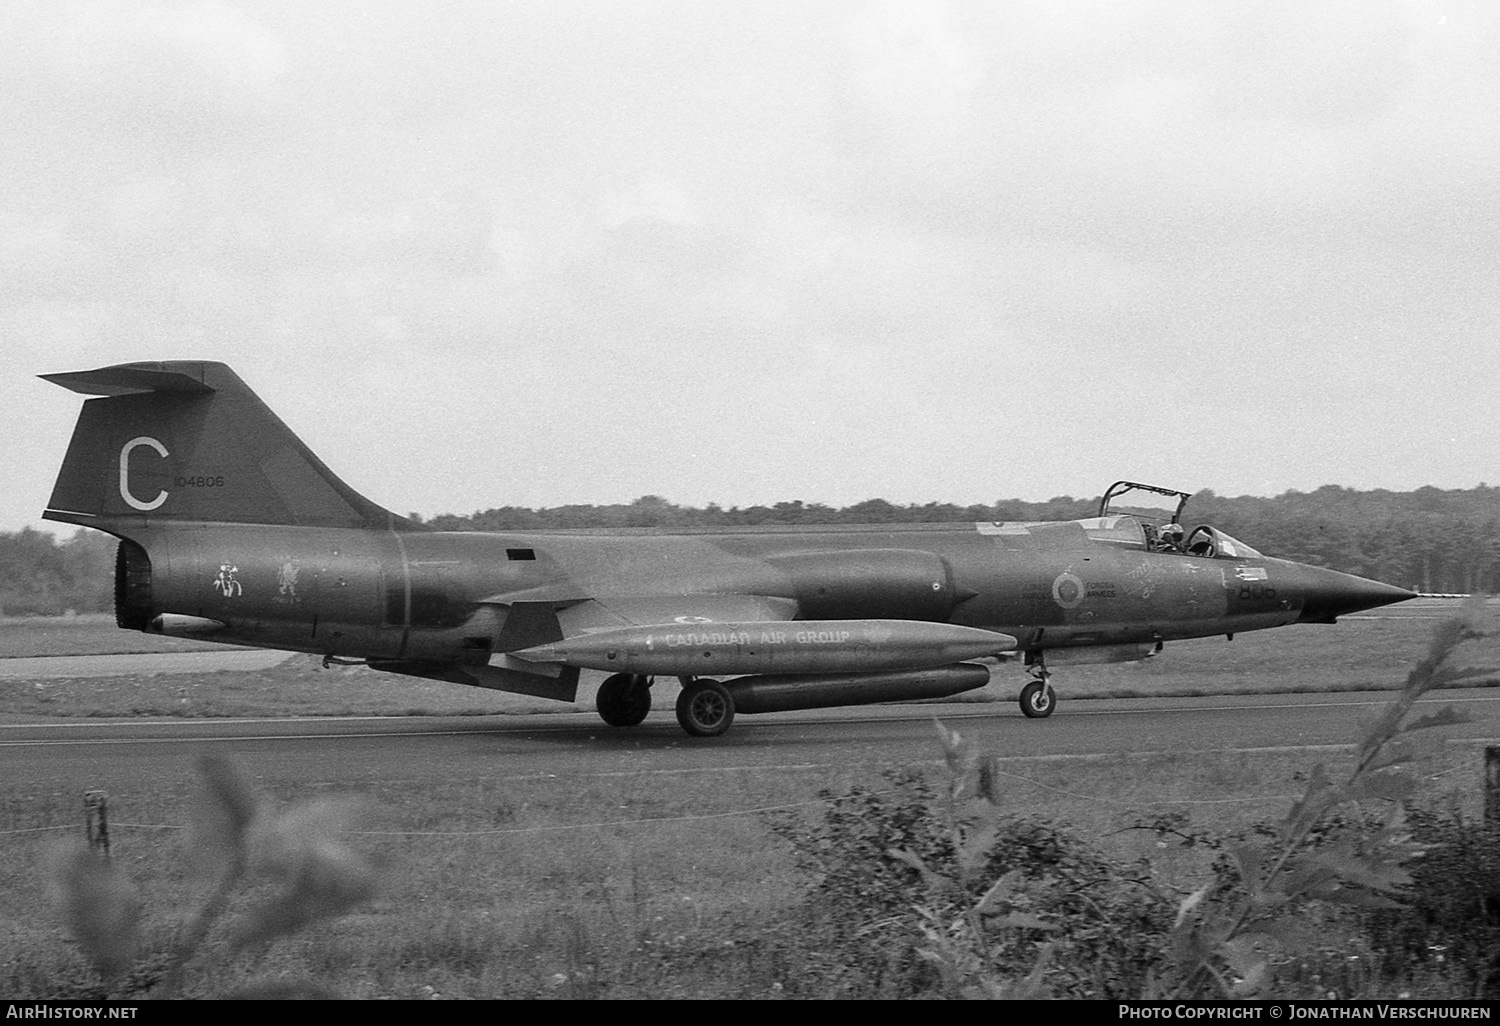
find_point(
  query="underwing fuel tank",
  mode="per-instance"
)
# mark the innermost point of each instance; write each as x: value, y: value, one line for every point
x: 807, y: 691
x: 773, y: 647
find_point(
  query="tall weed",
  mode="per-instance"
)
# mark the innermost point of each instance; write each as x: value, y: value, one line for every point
x: 280, y: 869
x: 1225, y: 943
x: 1449, y: 922
x: 916, y: 893
x: 923, y: 891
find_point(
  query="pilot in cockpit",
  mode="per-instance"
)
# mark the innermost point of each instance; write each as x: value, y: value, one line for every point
x: 1169, y: 539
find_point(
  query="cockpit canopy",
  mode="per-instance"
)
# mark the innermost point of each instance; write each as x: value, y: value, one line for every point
x: 1156, y: 516
x: 1147, y: 503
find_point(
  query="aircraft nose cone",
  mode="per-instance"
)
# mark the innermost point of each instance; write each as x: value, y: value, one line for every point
x: 1328, y: 594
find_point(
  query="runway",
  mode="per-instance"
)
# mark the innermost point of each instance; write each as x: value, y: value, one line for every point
x: 76, y: 754
x: 350, y: 752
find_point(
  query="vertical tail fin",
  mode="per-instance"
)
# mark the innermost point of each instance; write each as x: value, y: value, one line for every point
x: 188, y: 440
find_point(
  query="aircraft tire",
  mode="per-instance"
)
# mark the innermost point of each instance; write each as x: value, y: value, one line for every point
x: 705, y: 708
x: 623, y: 700
x: 1038, y: 700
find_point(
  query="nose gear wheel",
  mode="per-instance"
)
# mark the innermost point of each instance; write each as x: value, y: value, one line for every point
x: 1038, y: 700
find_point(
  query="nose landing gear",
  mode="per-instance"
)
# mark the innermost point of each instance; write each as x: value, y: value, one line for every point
x: 1038, y: 700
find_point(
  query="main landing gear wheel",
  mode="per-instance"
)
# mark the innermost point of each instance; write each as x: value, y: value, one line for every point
x: 1038, y: 700
x: 623, y: 700
x: 705, y: 708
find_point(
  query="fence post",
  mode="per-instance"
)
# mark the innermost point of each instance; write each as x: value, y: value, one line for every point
x: 96, y: 820
x: 1492, y: 785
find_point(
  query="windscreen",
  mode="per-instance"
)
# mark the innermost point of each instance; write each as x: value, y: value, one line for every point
x: 1228, y: 546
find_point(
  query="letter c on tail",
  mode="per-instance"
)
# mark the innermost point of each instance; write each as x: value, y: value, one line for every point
x: 131, y: 500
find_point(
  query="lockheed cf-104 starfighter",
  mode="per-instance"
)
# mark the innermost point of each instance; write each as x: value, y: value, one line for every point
x: 232, y: 530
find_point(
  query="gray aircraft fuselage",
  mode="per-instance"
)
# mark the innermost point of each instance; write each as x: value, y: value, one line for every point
x: 414, y: 595
x: 233, y: 530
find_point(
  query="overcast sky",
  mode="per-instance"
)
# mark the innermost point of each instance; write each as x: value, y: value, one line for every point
x: 550, y: 252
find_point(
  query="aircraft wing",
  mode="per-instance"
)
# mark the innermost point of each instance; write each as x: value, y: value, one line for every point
x: 605, y: 614
x: 602, y: 614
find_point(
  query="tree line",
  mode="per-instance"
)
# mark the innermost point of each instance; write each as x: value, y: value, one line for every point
x: 1430, y: 539
x: 42, y: 576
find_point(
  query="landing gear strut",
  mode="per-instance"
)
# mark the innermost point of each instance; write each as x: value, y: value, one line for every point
x: 1038, y: 700
x: 705, y: 708
x: 624, y: 699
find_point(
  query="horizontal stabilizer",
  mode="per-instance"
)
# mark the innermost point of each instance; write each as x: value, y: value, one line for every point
x: 133, y: 379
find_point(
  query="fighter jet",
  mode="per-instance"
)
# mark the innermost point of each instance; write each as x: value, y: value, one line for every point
x: 232, y: 530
